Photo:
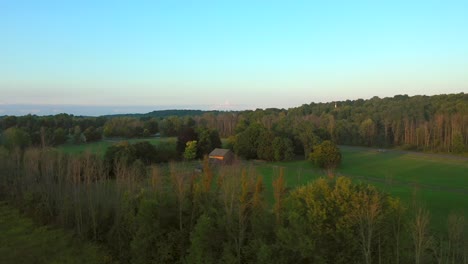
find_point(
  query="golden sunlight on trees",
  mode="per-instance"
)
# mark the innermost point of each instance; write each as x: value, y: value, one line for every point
x: 326, y: 156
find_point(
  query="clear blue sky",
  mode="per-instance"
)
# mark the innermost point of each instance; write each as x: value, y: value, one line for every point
x: 232, y: 54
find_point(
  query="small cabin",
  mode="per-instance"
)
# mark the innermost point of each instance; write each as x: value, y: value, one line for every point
x: 221, y: 156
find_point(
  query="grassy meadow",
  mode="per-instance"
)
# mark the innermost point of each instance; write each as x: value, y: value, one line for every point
x: 437, y: 182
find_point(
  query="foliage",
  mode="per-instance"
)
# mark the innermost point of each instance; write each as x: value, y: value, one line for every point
x: 22, y: 241
x: 190, y: 152
x: 153, y: 241
x: 207, y: 141
x: 265, y: 149
x: 436, y: 123
x: 283, y: 149
x: 219, y: 215
x: 77, y: 135
x: 457, y: 144
x: 15, y: 137
x: 151, y: 126
x: 326, y: 155
x: 247, y: 141
x: 204, y: 245
x: 171, y: 126
x: 60, y: 136
x: 329, y: 214
x: 92, y: 134
x: 187, y: 134
x: 123, y: 127
x: 143, y: 151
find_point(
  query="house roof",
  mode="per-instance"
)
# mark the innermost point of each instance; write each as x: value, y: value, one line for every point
x: 219, y: 152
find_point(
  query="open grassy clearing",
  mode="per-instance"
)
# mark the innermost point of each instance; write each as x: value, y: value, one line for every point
x: 438, y: 171
x: 21, y: 241
x: 437, y: 182
x: 100, y: 147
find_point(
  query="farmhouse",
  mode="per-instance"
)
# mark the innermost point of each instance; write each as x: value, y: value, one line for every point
x: 221, y: 156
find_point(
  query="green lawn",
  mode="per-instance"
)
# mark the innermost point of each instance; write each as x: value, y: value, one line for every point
x: 438, y: 182
x: 21, y: 241
x: 100, y: 147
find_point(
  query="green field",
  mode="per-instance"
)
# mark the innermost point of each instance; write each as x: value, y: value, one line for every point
x: 21, y: 241
x: 100, y: 147
x: 437, y: 182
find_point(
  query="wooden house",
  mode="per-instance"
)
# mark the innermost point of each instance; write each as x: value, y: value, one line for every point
x: 221, y: 156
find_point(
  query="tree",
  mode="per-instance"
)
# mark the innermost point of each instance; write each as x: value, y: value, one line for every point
x: 283, y: 149
x: 146, y: 152
x: 326, y: 156
x: 457, y: 144
x: 92, y: 134
x: 305, y: 133
x: 203, y: 248
x: 77, y: 136
x: 279, y: 191
x: 246, y: 143
x: 187, y: 134
x: 170, y: 126
x: 207, y: 141
x: 190, y: 152
x: 265, y: 149
x: 16, y: 137
x: 367, y: 215
x: 127, y: 127
x: 152, y: 126
x: 8, y: 121
x: 318, y: 225
x: 420, y: 234
x: 396, y: 221
x: 60, y: 136
x: 215, y: 139
x: 367, y: 131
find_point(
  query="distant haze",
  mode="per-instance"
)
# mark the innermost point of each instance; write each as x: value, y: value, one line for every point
x: 93, y: 110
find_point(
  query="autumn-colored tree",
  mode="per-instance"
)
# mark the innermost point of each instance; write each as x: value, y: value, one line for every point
x: 279, y: 191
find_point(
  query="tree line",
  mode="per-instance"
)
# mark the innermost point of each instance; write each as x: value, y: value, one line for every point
x: 174, y: 214
x: 436, y: 123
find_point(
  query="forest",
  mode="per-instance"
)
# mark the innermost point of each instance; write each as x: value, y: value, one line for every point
x: 174, y: 214
x: 153, y: 204
x: 436, y: 123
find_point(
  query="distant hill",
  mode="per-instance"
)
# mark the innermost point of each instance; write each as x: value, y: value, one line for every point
x: 166, y: 113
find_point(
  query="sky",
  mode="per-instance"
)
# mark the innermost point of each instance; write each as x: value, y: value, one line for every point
x: 117, y: 56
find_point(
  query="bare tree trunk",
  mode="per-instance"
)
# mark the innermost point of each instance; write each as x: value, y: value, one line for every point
x: 456, y: 226
x: 178, y: 182
x: 367, y: 216
x: 420, y: 234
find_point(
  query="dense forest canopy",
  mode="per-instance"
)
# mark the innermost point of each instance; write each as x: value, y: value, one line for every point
x: 436, y: 123
x: 172, y: 214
